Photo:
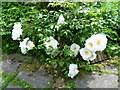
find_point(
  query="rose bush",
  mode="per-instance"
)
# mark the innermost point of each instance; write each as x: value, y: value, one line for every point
x: 63, y: 34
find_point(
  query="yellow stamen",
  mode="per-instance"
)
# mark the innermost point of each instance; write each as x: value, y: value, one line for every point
x: 74, y: 48
x: 98, y: 42
x: 90, y: 44
x: 85, y: 52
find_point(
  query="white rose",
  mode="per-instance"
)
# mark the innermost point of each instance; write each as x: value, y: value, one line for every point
x: 30, y: 45
x: 26, y: 45
x: 93, y: 56
x: 72, y: 73
x: 100, y: 41
x: 72, y: 70
x: 72, y: 66
x: 17, y: 25
x: 51, y: 42
x: 85, y: 53
x: 23, y: 50
x: 23, y: 45
x: 17, y: 31
x: 90, y: 44
x: 75, y: 48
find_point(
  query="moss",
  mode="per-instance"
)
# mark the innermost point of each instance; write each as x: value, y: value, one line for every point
x: 30, y: 65
x: 28, y: 61
x: 115, y: 60
x: 100, y: 66
x: 108, y: 72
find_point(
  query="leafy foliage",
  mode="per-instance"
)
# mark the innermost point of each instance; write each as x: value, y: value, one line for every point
x: 81, y: 21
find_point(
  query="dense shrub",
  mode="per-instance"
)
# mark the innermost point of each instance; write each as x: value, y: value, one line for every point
x: 81, y: 21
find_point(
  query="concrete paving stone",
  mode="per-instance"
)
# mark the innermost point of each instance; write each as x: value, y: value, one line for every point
x: 110, y: 68
x: 10, y: 86
x: 38, y: 79
x: 97, y: 81
x: 19, y: 57
x: 9, y: 67
x: 9, y: 63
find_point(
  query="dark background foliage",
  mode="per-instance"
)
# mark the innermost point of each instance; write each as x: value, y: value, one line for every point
x: 99, y: 17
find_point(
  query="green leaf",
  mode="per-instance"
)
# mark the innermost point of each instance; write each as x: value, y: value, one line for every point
x: 61, y: 63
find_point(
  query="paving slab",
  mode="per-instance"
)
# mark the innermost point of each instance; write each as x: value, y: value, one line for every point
x: 9, y: 63
x: 10, y: 86
x: 9, y: 67
x: 36, y: 79
x: 19, y: 57
x: 97, y: 81
x: 39, y: 80
x: 110, y: 68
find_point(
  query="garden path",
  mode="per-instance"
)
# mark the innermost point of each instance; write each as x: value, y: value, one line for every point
x: 13, y: 78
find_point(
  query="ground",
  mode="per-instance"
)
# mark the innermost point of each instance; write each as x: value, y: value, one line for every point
x: 18, y: 72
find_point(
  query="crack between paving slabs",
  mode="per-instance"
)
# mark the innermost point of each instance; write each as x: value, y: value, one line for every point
x: 11, y: 79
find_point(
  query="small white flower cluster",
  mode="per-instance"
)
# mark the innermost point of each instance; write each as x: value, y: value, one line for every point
x: 17, y: 31
x: 95, y: 43
x: 26, y: 45
x: 72, y: 70
x: 51, y: 43
x: 61, y: 19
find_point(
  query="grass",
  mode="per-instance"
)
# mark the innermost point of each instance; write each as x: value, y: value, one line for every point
x: 7, y: 79
x: 14, y: 81
x: 70, y: 84
x: 51, y: 84
x: 23, y: 84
